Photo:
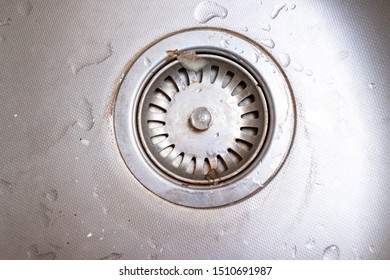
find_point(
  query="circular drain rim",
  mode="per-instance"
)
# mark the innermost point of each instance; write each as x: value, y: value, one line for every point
x: 217, y: 152
x: 271, y: 79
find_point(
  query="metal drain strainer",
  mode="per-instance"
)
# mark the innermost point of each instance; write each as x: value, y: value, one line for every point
x: 204, y: 127
x: 208, y: 137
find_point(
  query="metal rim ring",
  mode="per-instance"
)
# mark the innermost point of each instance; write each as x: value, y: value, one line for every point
x: 268, y: 148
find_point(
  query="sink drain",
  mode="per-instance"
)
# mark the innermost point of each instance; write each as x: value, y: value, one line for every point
x: 204, y: 136
x: 204, y: 127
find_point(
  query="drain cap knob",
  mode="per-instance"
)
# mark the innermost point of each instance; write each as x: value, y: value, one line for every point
x: 201, y: 118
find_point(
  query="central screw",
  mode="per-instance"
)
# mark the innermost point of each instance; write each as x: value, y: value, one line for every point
x: 201, y: 118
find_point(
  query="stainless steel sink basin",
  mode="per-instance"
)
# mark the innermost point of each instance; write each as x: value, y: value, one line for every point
x: 67, y: 193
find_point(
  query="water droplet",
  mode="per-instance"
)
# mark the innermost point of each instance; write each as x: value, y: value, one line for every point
x: 308, y: 72
x: 45, y: 213
x: 255, y: 56
x: 198, y: 90
x: 275, y: 12
x: 89, y: 235
x: 147, y: 62
x: 85, y: 142
x: 265, y: 26
x: 310, y: 244
x: 93, y: 53
x: 331, y: 252
x: 269, y: 43
x: 245, y: 29
x: 208, y: 10
x: 284, y: 59
x: 5, y: 187
x: 223, y: 44
x: 292, y: 7
x: 372, y: 248
x: 51, y: 195
x: 372, y: 85
x: 112, y: 256
x: 34, y: 254
x: 286, y: 9
x: 294, y: 251
x: 297, y: 66
x: 24, y: 7
x: 7, y: 21
x: 86, y: 119
x: 191, y: 61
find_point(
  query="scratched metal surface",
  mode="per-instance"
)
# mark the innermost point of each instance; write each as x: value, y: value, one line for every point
x: 66, y: 193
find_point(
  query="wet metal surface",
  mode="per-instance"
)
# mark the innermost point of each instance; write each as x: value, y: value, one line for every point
x: 66, y: 193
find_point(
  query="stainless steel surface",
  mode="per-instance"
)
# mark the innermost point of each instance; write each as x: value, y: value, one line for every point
x: 66, y: 193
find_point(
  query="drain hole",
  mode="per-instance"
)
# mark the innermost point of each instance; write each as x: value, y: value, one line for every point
x: 191, y: 166
x: 170, y: 82
x: 250, y: 115
x: 250, y: 130
x: 162, y: 95
x: 239, y: 88
x: 244, y: 144
x: 213, y: 73
x: 156, y: 109
x: 199, y: 76
x: 158, y: 138
x: 166, y: 151
x: 235, y: 157
x: 206, y: 166
x: 184, y: 76
x: 246, y: 101
x: 221, y: 165
x: 227, y: 79
x: 178, y: 160
x: 155, y: 124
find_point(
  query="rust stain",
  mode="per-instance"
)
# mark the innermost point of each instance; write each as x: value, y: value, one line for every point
x: 110, y: 107
x: 212, y: 176
x: 171, y: 54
